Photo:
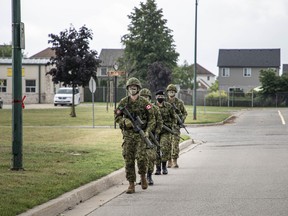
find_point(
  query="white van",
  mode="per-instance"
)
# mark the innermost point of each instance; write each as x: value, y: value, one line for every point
x: 64, y: 96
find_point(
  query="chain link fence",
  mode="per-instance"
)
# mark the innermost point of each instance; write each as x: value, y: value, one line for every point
x: 203, y: 98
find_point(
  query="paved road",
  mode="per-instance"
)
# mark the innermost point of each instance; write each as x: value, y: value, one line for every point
x: 241, y: 169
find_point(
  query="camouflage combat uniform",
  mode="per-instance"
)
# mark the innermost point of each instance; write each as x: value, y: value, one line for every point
x: 133, y: 147
x: 154, y: 153
x: 180, y: 110
x: 169, y: 119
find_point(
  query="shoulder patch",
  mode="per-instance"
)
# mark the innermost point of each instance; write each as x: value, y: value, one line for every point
x: 149, y: 106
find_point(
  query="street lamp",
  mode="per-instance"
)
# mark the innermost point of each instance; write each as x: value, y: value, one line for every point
x: 18, y: 44
x: 195, y: 64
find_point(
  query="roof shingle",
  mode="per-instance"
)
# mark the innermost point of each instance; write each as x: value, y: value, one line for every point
x: 249, y: 58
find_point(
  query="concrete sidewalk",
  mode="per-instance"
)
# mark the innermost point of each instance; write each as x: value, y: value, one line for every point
x: 85, y: 199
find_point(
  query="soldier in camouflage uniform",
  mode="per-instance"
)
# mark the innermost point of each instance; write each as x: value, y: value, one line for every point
x: 133, y: 147
x: 153, y: 153
x: 169, y: 120
x: 180, y: 110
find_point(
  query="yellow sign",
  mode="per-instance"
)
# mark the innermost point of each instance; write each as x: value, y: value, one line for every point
x: 10, y: 72
x: 116, y: 73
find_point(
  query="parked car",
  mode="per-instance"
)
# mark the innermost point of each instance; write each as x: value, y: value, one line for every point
x: 64, y: 96
x: 1, y: 103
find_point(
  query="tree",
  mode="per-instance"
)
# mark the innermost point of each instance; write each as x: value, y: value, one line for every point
x: 270, y: 82
x: 274, y: 86
x: 74, y: 62
x: 183, y: 75
x: 159, y: 76
x: 148, y: 41
x: 214, y: 87
x: 6, y: 51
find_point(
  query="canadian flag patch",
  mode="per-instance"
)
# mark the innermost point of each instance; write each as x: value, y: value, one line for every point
x: 149, y: 106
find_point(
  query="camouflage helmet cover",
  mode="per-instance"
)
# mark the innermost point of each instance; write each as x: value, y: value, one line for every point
x: 133, y: 81
x: 171, y: 87
x: 145, y: 92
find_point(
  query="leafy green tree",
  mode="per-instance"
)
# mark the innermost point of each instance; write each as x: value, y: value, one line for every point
x: 270, y: 82
x: 214, y: 87
x: 159, y: 76
x: 149, y: 40
x: 6, y: 51
x: 183, y: 75
x: 74, y: 62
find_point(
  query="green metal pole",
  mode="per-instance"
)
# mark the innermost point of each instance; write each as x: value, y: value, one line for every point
x: 16, y: 88
x: 195, y: 66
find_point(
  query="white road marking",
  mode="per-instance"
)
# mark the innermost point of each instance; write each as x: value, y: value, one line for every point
x: 281, y: 117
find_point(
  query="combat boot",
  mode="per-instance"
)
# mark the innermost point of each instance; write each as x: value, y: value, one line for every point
x: 149, y: 178
x: 175, y: 165
x: 131, y: 188
x: 164, y: 168
x: 158, y: 170
x: 169, y: 163
x: 144, y: 183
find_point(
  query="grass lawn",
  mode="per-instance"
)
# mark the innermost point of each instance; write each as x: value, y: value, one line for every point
x: 61, y: 153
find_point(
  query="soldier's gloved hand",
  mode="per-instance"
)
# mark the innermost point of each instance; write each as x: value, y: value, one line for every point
x: 128, y: 123
x: 146, y: 134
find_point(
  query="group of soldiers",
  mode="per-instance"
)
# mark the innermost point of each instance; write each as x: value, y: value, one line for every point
x: 151, y: 131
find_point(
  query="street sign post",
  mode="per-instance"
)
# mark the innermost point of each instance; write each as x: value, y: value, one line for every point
x: 115, y: 74
x: 92, y: 88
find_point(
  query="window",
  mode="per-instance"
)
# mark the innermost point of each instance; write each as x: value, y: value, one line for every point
x: 246, y: 72
x: 208, y: 78
x: 225, y: 72
x: 3, y: 85
x: 103, y: 71
x: 30, y: 85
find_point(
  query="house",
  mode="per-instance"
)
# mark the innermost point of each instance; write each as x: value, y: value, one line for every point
x: 108, y: 59
x: 240, y: 68
x: 36, y: 86
x: 44, y: 54
x: 204, y: 77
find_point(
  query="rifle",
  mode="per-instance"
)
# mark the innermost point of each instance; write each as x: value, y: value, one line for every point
x: 137, y: 126
x: 179, y: 120
x: 165, y: 127
x: 155, y: 141
x: 153, y: 138
x: 151, y: 135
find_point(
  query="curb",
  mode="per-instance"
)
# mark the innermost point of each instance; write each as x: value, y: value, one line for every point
x: 76, y: 196
x: 71, y: 199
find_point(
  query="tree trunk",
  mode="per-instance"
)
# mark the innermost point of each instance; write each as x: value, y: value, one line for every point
x: 73, y: 111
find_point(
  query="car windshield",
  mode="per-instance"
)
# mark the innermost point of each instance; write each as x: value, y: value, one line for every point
x: 64, y: 91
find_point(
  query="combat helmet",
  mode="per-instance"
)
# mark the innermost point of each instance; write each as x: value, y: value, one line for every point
x: 133, y: 81
x: 145, y: 92
x: 171, y: 87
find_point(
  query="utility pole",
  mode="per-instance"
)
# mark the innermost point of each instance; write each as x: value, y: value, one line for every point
x: 17, y: 45
x: 195, y: 65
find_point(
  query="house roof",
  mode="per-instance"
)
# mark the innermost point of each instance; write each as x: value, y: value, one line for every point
x: 46, y: 53
x: 203, y: 71
x: 8, y: 61
x: 249, y: 58
x: 109, y: 56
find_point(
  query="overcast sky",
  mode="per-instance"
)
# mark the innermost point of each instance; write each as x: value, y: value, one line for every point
x: 222, y: 24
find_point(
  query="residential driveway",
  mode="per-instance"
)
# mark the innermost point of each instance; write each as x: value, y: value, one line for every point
x: 240, y: 169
